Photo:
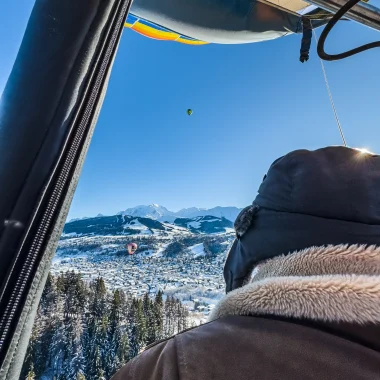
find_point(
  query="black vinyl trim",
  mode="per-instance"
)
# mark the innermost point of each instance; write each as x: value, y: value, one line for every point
x: 24, y: 234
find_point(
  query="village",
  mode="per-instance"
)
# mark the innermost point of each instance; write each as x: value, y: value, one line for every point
x: 189, y: 275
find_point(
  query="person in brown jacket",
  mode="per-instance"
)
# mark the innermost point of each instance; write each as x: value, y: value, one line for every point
x: 302, y: 281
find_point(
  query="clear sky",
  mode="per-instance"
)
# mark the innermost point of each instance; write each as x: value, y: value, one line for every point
x: 252, y: 103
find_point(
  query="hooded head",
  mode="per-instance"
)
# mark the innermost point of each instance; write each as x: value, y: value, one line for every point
x: 329, y: 196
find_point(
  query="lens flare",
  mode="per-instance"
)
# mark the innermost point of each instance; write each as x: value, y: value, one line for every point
x: 364, y: 151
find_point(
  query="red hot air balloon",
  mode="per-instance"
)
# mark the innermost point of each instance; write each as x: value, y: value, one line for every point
x: 131, y: 248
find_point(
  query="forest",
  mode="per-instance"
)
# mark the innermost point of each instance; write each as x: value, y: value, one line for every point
x: 83, y: 331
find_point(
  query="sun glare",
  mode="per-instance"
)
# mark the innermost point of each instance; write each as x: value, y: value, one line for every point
x: 364, y: 151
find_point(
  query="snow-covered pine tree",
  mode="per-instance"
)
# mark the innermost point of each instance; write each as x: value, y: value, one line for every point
x: 133, y: 341
x: 185, y: 321
x: 84, y: 332
x: 182, y: 316
x: 88, y: 343
x: 48, y: 319
x: 95, y: 334
x: 58, y: 336
x: 73, y: 291
x: 124, y: 349
x: 150, y: 315
x: 114, y: 336
x: 125, y: 303
x: 58, y: 348
x: 49, y: 296
x: 98, y: 372
x: 158, y: 310
x: 137, y: 328
x: 73, y: 351
x: 141, y: 326
x: 146, y: 304
x: 75, y: 294
x: 170, y: 317
x: 98, y: 307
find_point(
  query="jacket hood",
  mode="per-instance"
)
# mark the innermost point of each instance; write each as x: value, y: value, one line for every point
x: 331, y: 283
x: 308, y: 198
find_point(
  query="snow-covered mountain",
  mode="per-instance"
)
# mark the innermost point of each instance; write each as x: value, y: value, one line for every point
x: 205, y: 224
x: 153, y: 211
x: 161, y: 213
x: 229, y: 213
x: 191, y: 212
x: 135, y: 225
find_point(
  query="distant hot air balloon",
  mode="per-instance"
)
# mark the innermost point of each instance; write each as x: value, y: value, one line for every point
x: 132, y: 248
x: 189, y: 112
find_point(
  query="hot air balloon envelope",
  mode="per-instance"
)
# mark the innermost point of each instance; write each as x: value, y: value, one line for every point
x: 199, y: 22
x: 131, y: 248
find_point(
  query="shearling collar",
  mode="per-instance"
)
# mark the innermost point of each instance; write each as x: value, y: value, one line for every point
x: 332, y: 284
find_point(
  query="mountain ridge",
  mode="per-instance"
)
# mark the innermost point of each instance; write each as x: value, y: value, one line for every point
x: 161, y: 213
x: 124, y: 225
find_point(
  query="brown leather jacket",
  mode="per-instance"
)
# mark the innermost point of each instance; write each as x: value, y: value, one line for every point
x: 242, y: 348
x: 308, y: 315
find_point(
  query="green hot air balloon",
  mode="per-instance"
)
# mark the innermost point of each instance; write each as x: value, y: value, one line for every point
x: 189, y: 112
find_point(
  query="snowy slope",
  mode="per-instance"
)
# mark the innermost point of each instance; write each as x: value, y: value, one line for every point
x: 198, y: 250
x: 205, y: 224
x: 113, y: 225
x: 131, y: 225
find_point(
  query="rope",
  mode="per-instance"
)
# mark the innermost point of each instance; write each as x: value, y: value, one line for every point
x: 330, y: 96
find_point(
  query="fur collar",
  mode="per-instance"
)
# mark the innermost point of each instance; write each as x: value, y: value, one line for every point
x: 334, y: 283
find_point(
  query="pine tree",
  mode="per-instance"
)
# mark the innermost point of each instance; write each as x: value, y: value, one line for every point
x: 72, y: 291
x: 49, y: 294
x: 178, y: 314
x: 133, y: 341
x: 75, y: 294
x: 185, y: 318
x: 124, y: 305
x: 31, y: 375
x: 95, y: 335
x: 116, y: 344
x: 141, y: 326
x: 48, y: 324
x: 170, y: 317
x: 158, y: 310
x: 73, y: 351
x: 89, y: 348
x: 149, y: 314
x: 58, y: 348
x: 146, y: 304
x: 52, y: 336
x: 98, y: 307
x: 137, y: 328
x: 124, y: 349
x: 102, y: 340
x: 98, y: 370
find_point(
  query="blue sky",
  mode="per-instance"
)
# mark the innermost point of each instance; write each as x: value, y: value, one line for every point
x: 252, y: 103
